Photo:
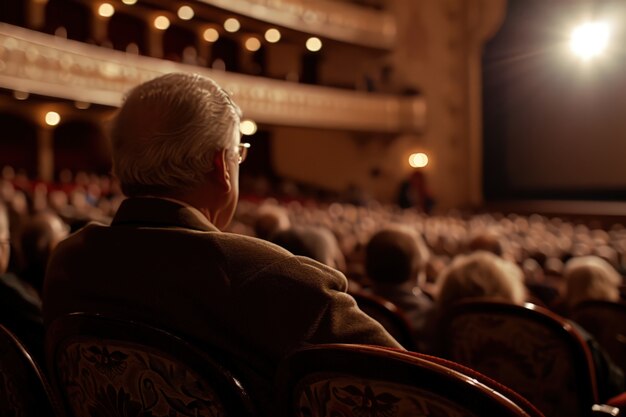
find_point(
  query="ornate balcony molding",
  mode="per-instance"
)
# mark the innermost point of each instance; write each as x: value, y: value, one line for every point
x: 335, y: 20
x: 42, y: 64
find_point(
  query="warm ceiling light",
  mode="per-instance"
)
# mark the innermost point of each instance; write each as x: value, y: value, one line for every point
x: 185, y: 13
x: 272, y: 35
x: 161, y: 22
x: 53, y: 118
x: 247, y: 127
x: 253, y: 44
x: 313, y: 44
x: 418, y: 160
x: 232, y: 25
x: 20, y: 95
x: 106, y: 10
x: 590, y: 39
x: 129, y: 2
x: 211, y: 35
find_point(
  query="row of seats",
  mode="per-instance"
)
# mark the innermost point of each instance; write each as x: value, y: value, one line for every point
x: 109, y: 367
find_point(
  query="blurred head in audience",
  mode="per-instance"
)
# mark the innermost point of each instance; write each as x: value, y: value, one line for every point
x: 481, y: 275
x: 177, y: 136
x: 5, y: 245
x: 270, y: 219
x: 486, y: 241
x: 590, y: 278
x: 40, y: 235
x: 314, y: 242
x: 395, y: 255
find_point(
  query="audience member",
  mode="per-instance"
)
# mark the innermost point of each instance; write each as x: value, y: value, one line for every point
x: 164, y: 260
x: 395, y: 262
x: 589, y: 278
x: 20, y: 305
x: 314, y: 242
x: 41, y: 233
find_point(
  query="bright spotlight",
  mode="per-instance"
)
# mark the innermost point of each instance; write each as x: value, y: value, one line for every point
x: 52, y: 118
x: 313, y: 44
x: 272, y: 35
x: 161, y: 22
x: 418, y: 160
x: 211, y: 35
x: 247, y: 127
x: 185, y: 13
x: 590, y: 39
x: 232, y: 25
x: 106, y: 10
x: 253, y: 44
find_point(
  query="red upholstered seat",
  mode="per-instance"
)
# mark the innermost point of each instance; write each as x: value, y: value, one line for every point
x: 24, y: 391
x: 389, y: 315
x: 359, y: 380
x: 527, y: 348
x: 109, y: 367
x: 606, y: 321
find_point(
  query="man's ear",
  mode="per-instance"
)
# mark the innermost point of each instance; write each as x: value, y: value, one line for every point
x: 222, y: 174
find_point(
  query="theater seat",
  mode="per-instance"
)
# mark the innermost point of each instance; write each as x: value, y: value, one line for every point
x: 109, y: 367
x: 389, y: 315
x: 24, y: 391
x: 606, y: 321
x: 527, y: 348
x: 360, y: 380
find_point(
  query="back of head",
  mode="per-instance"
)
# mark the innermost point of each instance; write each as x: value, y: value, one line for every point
x: 306, y: 241
x: 486, y: 241
x: 40, y: 235
x: 590, y: 278
x: 394, y: 255
x: 270, y: 220
x: 5, y: 246
x: 167, y: 131
x: 481, y: 275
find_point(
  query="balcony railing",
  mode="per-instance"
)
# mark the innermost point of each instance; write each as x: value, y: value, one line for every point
x: 335, y: 20
x: 43, y: 64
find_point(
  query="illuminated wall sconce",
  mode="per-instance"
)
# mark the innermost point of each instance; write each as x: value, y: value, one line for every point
x: 106, y: 10
x: 272, y: 35
x: 247, y: 127
x: 161, y: 22
x: 313, y: 44
x: 185, y: 13
x: 232, y: 25
x: 418, y: 160
x: 52, y: 118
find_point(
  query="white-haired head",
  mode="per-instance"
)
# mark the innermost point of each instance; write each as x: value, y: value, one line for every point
x: 590, y: 278
x: 481, y: 275
x: 167, y: 132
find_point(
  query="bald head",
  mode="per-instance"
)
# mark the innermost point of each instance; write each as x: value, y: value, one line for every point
x: 166, y: 134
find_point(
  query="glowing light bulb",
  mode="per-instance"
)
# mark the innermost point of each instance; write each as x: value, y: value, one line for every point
x: 253, y: 44
x: 52, y: 118
x: 211, y: 35
x: 247, y: 127
x: 418, y: 160
x: 129, y: 2
x: 232, y: 25
x: 313, y: 44
x: 161, y: 22
x: 185, y: 13
x: 106, y: 10
x: 272, y: 35
x: 590, y: 39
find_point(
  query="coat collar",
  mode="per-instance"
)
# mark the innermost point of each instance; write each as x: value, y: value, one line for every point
x: 160, y: 212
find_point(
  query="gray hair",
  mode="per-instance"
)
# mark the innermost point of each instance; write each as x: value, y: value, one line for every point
x: 590, y: 278
x: 166, y: 133
x: 481, y: 275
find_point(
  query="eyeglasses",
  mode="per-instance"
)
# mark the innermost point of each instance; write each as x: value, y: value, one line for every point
x: 243, y: 151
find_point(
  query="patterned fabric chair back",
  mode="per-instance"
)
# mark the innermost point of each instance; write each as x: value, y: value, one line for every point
x: 606, y: 321
x: 389, y: 315
x: 24, y: 391
x: 528, y: 349
x: 371, y: 381
x: 108, y: 367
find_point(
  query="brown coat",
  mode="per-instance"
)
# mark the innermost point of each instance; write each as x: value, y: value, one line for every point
x: 163, y: 263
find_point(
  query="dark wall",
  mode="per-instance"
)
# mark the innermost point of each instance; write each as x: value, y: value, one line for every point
x: 554, y: 125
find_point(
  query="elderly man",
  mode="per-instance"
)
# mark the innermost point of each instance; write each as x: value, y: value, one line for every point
x: 164, y: 260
